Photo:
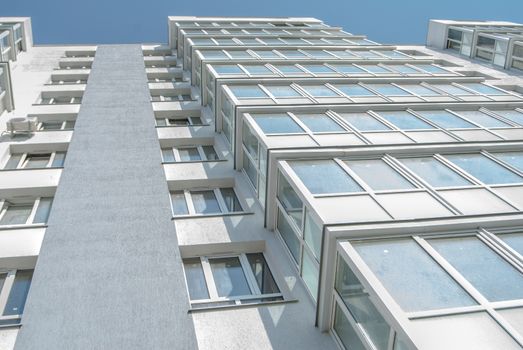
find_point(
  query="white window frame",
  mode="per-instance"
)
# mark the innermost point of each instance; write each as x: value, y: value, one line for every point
x: 22, y: 163
x: 219, y: 198
x: 4, y: 296
x: 4, y: 205
x: 62, y: 127
x: 199, y: 148
x: 249, y: 276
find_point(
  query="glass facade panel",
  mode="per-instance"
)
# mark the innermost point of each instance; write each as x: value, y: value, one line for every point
x: 229, y: 277
x: 515, y: 159
x: 319, y: 91
x: 512, y: 115
x: 345, y: 332
x: 262, y: 274
x: 452, y: 89
x: 484, y: 169
x: 513, y: 240
x: 313, y: 235
x: 282, y: 91
x: 324, y: 177
x: 16, y: 300
x: 277, y: 124
x: 205, y: 202
x: 178, y: 203
x: 379, y: 175
x: 405, y: 120
x: 289, y: 237
x: 483, y: 89
x: 290, y: 201
x: 413, y: 279
x: 434, y: 172
x: 319, y: 123
x: 189, y: 154
x: 446, y: 120
x: 354, y: 90
x: 16, y: 214
x: 388, y: 89
x: 231, y: 201
x: 43, y: 210
x: 494, y: 277
x: 364, y: 122
x: 420, y: 90
x: 195, y: 279
x: 252, y: 91
x: 310, y: 274
x: 483, y: 119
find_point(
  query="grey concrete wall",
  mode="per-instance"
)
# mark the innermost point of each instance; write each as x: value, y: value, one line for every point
x: 109, y: 274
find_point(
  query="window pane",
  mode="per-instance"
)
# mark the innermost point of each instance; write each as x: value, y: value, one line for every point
x: 42, y: 213
x: 495, y: 278
x: 282, y: 91
x: 16, y: 214
x: 513, y: 240
x: 513, y: 158
x: 410, y: 275
x: 210, y: 153
x: 290, y: 201
x: 388, y: 89
x: 432, y: 68
x: 319, y: 91
x: 434, y: 172
x: 250, y: 170
x: 483, y: 89
x: 446, y: 120
x: 345, y: 332
x: 420, y: 90
x: 354, y: 90
x: 230, y: 199
x: 310, y: 274
x: 205, y: 202
x: 179, y: 204
x: 34, y: 161
x: 167, y: 155
x: 483, y: 119
x: 512, y: 115
x: 319, y: 123
x: 363, y: 122
x: 230, y: 69
x: 318, y: 68
x: 250, y: 142
x: 324, y: 177
x: 16, y: 300
x: 313, y: 235
x: 484, y: 169
x: 262, y: 273
x: 257, y: 70
x: 349, y: 69
x: 405, y: 120
x: 59, y: 159
x: 189, y: 154
x: 13, y: 161
x: 289, y: 237
x: 277, y: 124
x: 195, y: 279
x: 289, y: 69
x: 452, y: 89
x: 357, y: 300
x: 266, y: 54
x: 228, y: 276
x: 403, y: 69
x: 379, y: 175
x: 247, y: 91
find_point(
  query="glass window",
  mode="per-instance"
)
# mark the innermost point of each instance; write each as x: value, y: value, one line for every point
x: 405, y: 121
x: 229, y: 69
x: 420, y: 90
x: 318, y: 53
x: 292, y: 53
x: 446, y: 120
x: 229, y: 277
x: 289, y: 69
x: 432, y: 68
x: 354, y: 90
x: 484, y: 169
x: 452, y: 89
x: 345, y: 332
x: 168, y: 155
x: 290, y: 201
x: 257, y: 70
x: 43, y: 210
x: 357, y: 300
x: 388, y: 89
x: 515, y: 159
x: 239, y: 54
x: 262, y: 273
x: 404, y: 69
x: 310, y: 274
x: 13, y: 161
x: 210, y: 153
x: 413, y: 279
x: 348, y: 69
x: 483, y: 89
x: 59, y: 159
x: 289, y: 237
x: 512, y: 115
x: 324, y: 176
x: 482, y: 119
x: 317, y: 68
x: 379, y: 175
x: 363, y: 122
x: 513, y: 240
x: 231, y: 201
x: 189, y: 154
x: 34, y: 161
x: 313, y: 235
x: 373, y: 68
x: 16, y: 300
x: 195, y: 279
x: 15, y: 214
x: 282, y: 91
x: 266, y: 54
x: 319, y: 123
x: 319, y: 91
x: 252, y: 91
x: 205, y: 202
x: 434, y: 172
x: 495, y: 278
x: 277, y: 124
x: 250, y: 142
x: 178, y: 203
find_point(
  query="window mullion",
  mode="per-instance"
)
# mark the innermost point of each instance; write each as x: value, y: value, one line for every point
x: 249, y: 274
x: 189, y: 202
x: 51, y: 159
x: 176, y: 154
x: 201, y: 152
x: 221, y: 201
x: 207, y: 272
x: 33, y: 212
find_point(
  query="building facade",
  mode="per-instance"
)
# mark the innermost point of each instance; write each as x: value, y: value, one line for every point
x: 261, y: 183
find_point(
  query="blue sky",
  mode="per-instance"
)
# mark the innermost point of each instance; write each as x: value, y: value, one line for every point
x: 132, y: 21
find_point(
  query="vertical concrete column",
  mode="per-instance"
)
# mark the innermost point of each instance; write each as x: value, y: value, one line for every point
x: 109, y: 274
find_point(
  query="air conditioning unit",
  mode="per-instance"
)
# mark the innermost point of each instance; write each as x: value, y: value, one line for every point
x: 21, y: 125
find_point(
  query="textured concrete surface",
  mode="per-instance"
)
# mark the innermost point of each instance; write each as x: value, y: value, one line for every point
x: 109, y: 275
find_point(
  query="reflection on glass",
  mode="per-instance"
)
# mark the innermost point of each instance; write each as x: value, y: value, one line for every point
x: 484, y: 169
x: 178, y: 203
x: 345, y: 332
x: 16, y: 300
x: 229, y: 277
x: 290, y: 200
x: 434, y: 172
x: 205, y: 202
x: 277, y: 124
x: 363, y: 122
x: 405, y: 121
x: 15, y: 214
x: 319, y: 123
x: 262, y: 273
x: 379, y: 175
x: 195, y: 279
x: 324, y: 176
x: 514, y: 241
x: 446, y: 120
x: 289, y: 237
